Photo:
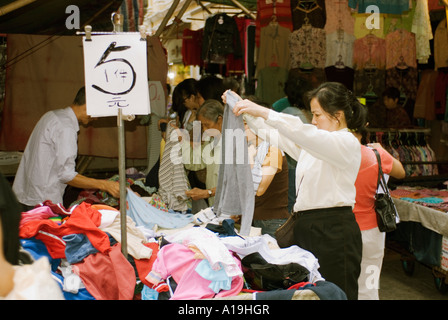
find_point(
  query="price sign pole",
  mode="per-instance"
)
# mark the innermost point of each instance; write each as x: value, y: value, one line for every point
x: 116, y: 82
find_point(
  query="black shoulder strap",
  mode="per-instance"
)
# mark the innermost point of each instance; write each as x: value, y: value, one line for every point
x: 381, y: 180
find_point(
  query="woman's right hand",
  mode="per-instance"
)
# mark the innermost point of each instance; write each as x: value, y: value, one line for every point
x: 249, y: 107
x: 246, y: 106
x: 224, y: 95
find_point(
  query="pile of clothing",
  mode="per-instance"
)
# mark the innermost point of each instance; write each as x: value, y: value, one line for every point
x: 170, y: 255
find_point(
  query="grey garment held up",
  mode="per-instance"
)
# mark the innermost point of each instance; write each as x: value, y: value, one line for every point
x: 234, y: 192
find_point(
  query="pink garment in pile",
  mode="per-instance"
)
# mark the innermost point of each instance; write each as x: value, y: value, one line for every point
x: 178, y: 261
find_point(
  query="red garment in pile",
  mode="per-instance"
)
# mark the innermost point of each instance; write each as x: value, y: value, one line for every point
x: 107, y: 276
x: 84, y: 219
x: 144, y: 266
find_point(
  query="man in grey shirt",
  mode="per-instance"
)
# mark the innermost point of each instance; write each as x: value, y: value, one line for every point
x: 48, y: 162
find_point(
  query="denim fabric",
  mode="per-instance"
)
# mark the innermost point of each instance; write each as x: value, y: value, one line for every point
x: 234, y: 191
x: 268, y: 226
x: 77, y: 247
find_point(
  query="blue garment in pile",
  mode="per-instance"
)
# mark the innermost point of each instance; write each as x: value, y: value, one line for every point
x: 146, y: 215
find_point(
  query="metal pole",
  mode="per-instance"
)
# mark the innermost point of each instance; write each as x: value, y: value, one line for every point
x: 166, y: 18
x: 117, y: 22
x: 122, y: 180
x: 246, y: 11
x: 14, y: 6
x: 177, y: 19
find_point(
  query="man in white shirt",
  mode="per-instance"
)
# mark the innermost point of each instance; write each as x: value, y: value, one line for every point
x: 48, y: 163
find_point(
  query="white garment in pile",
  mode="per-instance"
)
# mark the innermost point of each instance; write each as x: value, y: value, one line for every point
x: 210, y: 246
x: 268, y: 248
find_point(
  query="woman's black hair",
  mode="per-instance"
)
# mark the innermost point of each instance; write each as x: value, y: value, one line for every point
x: 10, y: 215
x: 211, y: 87
x: 183, y: 90
x: 334, y: 97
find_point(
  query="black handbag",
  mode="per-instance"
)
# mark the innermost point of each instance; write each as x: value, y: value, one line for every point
x: 268, y: 276
x: 386, y: 212
x: 285, y: 233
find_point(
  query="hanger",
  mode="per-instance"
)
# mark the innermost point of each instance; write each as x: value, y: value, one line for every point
x: 389, y: 139
x: 401, y: 64
x: 379, y: 137
x: 421, y: 139
x: 306, y: 24
x: 370, y: 95
x: 339, y: 64
x: 307, y: 6
x: 274, y: 21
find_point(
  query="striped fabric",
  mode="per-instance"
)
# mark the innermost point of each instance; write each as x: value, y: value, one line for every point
x: 257, y: 173
x: 132, y: 11
x: 173, y: 180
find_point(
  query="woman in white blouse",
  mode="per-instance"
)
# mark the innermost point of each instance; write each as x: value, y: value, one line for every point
x: 328, y: 159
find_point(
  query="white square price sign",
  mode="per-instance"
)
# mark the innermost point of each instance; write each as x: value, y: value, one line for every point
x: 116, y: 75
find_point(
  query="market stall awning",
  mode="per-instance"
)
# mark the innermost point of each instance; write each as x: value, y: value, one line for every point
x: 249, y: 4
x: 48, y: 17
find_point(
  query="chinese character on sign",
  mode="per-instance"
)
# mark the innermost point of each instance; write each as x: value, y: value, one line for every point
x: 116, y: 75
x: 118, y: 102
x: 119, y: 75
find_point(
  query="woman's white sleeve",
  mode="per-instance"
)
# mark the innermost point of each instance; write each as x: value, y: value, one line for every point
x: 335, y: 147
x: 271, y: 134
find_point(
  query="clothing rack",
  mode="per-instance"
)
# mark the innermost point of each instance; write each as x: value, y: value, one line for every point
x: 410, y: 146
x: 419, y: 171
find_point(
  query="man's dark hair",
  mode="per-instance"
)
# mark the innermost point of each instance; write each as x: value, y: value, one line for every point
x: 80, y: 98
x: 391, y: 92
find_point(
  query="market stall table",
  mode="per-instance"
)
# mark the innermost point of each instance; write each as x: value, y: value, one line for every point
x: 423, y: 230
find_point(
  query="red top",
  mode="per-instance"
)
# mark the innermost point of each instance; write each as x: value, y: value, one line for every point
x: 366, y: 185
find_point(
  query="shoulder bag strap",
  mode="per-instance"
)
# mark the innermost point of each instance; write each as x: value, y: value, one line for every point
x: 381, y: 180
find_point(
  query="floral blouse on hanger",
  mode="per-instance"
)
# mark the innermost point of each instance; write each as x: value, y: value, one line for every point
x: 307, y: 46
x: 369, y: 49
x: 400, y: 46
x: 339, y: 16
